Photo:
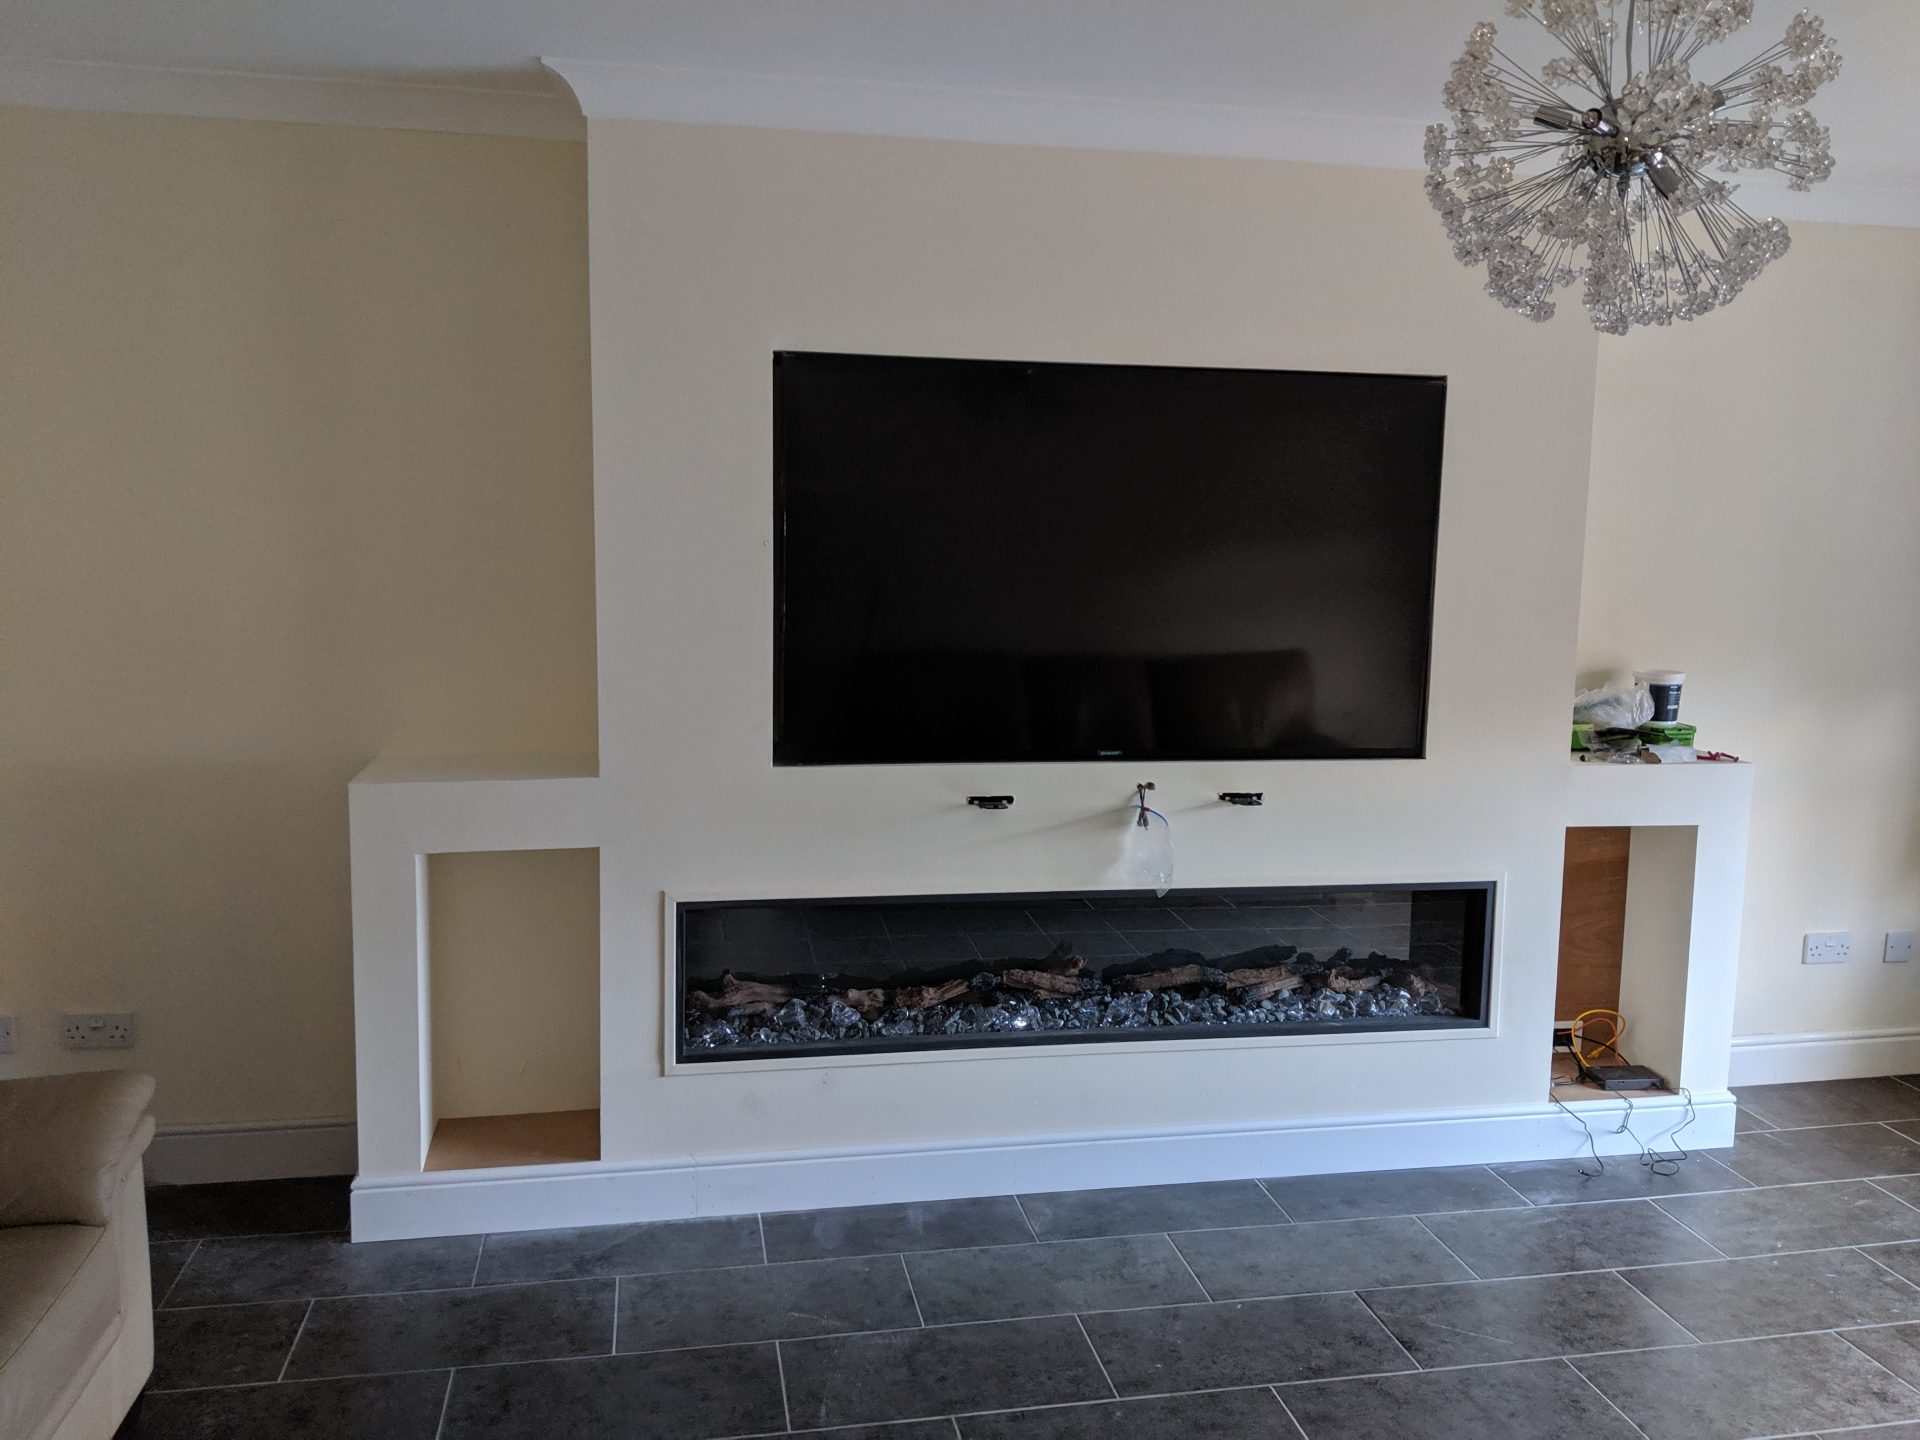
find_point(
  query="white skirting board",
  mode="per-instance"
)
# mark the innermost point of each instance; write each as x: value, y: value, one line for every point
x: 1824, y: 1055
x: 210, y: 1154
x: 613, y: 1192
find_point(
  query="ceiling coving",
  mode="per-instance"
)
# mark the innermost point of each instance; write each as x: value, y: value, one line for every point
x: 1591, y: 171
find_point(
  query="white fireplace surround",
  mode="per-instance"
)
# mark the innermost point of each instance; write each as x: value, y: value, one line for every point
x: 712, y: 247
x: 1685, y: 897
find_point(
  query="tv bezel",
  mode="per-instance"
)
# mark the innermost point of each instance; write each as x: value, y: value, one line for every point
x: 1416, y: 751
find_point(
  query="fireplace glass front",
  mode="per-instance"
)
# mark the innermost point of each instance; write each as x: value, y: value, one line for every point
x: 765, y: 978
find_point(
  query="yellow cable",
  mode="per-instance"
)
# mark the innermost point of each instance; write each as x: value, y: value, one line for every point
x: 1616, y: 1024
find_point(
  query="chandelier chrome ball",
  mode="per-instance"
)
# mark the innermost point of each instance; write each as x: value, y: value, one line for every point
x: 1596, y: 173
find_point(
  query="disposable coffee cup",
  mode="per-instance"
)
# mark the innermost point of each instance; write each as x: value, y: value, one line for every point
x: 1664, y: 687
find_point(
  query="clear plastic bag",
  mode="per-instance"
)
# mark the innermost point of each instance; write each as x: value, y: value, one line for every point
x: 1622, y: 705
x: 1146, y: 851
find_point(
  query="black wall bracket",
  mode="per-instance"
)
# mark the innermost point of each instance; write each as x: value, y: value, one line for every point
x: 1244, y: 797
x: 990, y: 802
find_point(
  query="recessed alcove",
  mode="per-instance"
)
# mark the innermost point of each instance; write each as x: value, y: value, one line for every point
x: 1649, y: 925
x: 513, y: 984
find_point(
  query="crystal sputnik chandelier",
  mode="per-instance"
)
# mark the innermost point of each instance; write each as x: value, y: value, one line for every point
x: 1596, y: 172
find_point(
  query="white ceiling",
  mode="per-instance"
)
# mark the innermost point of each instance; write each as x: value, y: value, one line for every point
x: 1340, y: 80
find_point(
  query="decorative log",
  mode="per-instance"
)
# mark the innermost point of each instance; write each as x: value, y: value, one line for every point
x: 1043, y: 981
x: 1247, y: 979
x: 920, y: 997
x: 1414, y: 983
x: 1348, y: 983
x: 1170, y: 979
x: 736, y: 992
x: 1267, y: 989
x: 869, y: 1003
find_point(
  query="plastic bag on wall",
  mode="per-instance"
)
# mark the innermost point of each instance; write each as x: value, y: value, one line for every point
x: 1623, y: 705
x: 1146, y: 851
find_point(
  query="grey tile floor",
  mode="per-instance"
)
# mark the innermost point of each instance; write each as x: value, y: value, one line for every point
x: 1768, y: 1290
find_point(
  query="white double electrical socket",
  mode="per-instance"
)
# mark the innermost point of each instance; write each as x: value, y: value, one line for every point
x: 1827, y: 947
x: 96, y: 1031
x: 1899, y: 947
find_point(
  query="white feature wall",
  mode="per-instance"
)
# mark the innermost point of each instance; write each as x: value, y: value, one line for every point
x: 711, y: 248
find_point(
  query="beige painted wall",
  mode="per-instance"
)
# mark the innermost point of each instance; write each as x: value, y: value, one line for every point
x: 296, y: 472
x: 1755, y: 521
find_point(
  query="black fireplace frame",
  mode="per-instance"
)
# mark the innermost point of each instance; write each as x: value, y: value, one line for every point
x: 1476, y: 974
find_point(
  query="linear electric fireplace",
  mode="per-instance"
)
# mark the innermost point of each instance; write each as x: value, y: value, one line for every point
x: 765, y: 978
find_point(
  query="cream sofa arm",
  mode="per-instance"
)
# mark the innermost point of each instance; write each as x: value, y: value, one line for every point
x: 67, y: 1144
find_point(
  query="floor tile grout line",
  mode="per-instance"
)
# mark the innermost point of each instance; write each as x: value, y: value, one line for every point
x: 912, y: 1293
x: 431, y: 1290
x: 1190, y: 1270
x: 1299, y: 1430
x: 174, y: 1284
x: 301, y: 1329
x: 1285, y: 1385
x: 1296, y: 1295
x: 1876, y: 1359
x: 1867, y: 1249
x: 153, y: 1239
x: 760, y: 1221
x: 479, y: 1254
x: 1422, y: 1217
x: 1277, y: 1385
x: 1759, y: 1115
x: 1474, y: 1279
x: 1094, y: 1350
x: 1055, y: 1405
x: 1525, y: 1198
x: 1889, y: 1122
x: 1027, y: 1220
x: 958, y: 1416
x: 1387, y: 1330
x: 1884, y: 1191
x: 446, y: 1399
x: 1718, y: 1253
x: 1420, y: 1220
x: 1607, y: 1399
x: 950, y: 1325
x: 616, y: 1317
x: 954, y: 1421
x: 1685, y: 1329
x: 780, y: 1364
x: 1276, y: 1202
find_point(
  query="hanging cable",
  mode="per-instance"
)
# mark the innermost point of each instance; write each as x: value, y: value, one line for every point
x: 1592, y: 1148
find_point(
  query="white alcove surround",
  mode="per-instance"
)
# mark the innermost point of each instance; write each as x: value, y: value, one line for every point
x: 711, y: 248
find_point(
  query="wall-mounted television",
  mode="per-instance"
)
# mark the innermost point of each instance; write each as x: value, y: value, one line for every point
x: 996, y: 560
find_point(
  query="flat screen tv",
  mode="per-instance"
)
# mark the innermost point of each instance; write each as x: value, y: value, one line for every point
x: 987, y: 560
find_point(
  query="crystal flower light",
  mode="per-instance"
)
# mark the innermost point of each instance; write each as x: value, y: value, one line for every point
x: 1596, y: 173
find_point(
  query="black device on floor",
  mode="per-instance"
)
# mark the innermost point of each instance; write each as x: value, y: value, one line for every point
x: 1623, y: 1077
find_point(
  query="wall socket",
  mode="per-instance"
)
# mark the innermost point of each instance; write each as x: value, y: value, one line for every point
x: 110, y: 1031
x: 6, y: 1034
x: 1827, y: 947
x: 1899, y: 947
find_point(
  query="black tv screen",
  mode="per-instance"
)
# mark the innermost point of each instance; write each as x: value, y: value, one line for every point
x: 985, y: 560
